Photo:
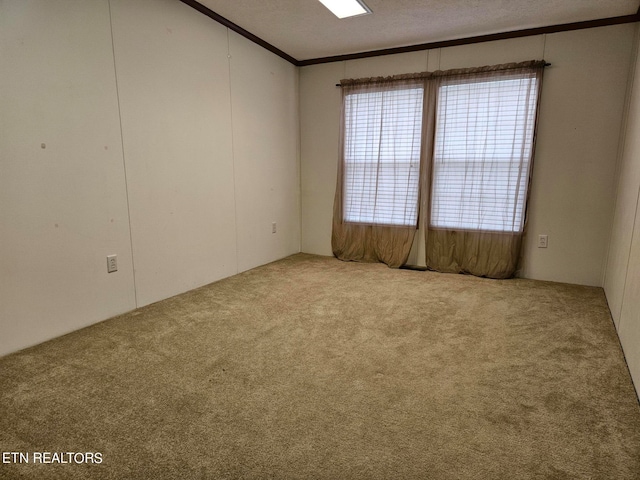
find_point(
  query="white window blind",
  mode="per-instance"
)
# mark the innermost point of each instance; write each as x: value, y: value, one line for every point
x: 482, y: 154
x: 382, y: 156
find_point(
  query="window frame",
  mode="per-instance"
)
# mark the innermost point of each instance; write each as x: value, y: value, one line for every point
x: 471, y: 79
x: 415, y: 163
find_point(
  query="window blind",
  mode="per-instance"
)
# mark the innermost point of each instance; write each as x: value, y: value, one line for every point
x: 382, y: 156
x: 482, y: 153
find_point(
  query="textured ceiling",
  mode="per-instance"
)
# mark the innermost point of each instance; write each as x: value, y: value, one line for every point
x: 305, y: 29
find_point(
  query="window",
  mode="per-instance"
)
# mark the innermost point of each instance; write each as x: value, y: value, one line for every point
x: 382, y: 141
x: 482, y: 153
x: 449, y: 149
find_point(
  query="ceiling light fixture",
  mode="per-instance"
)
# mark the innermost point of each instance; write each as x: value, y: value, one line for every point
x: 346, y: 8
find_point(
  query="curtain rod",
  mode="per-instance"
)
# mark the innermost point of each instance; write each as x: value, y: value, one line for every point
x: 461, y: 71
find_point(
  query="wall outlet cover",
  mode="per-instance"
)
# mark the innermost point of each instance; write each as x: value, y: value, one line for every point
x: 112, y: 263
x: 543, y: 241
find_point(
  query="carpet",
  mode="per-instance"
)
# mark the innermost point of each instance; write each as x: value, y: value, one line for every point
x: 310, y: 367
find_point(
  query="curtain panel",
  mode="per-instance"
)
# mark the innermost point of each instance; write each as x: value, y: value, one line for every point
x: 474, y: 156
x: 375, y: 213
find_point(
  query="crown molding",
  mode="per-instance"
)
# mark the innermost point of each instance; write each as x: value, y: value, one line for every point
x: 564, y: 27
x: 238, y: 29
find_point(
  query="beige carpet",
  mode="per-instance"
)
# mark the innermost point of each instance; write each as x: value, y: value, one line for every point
x: 314, y: 368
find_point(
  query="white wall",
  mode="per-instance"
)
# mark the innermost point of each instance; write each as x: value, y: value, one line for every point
x: 574, y: 171
x: 173, y: 82
x: 573, y: 185
x: 62, y: 208
x: 622, y: 280
x: 264, y: 93
x: 207, y: 159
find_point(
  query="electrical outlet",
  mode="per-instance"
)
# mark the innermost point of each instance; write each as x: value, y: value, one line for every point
x: 273, y: 227
x: 112, y: 263
x: 543, y: 241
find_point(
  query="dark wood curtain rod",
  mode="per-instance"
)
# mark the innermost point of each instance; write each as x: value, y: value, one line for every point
x: 471, y: 70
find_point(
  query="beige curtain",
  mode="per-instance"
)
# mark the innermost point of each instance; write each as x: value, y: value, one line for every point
x: 376, y: 203
x: 481, y: 162
x: 473, y: 165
